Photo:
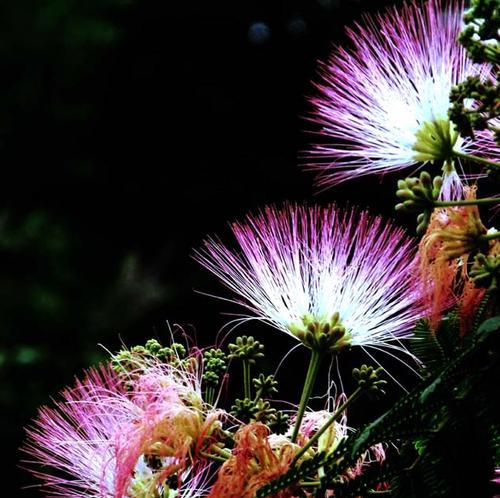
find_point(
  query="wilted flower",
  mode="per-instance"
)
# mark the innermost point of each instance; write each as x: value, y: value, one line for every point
x: 253, y: 463
x: 328, y: 277
x: 384, y: 101
x: 113, y: 438
x: 456, y: 231
x: 453, y: 234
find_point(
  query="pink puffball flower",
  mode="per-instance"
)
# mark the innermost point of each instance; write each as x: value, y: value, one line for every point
x: 327, y: 277
x: 330, y: 439
x: 112, y: 437
x: 74, y: 438
x: 315, y: 420
x: 383, y: 103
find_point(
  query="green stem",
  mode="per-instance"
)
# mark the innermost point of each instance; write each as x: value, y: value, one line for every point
x: 221, y: 452
x: 246, y: 378
x: 210, y: 395
x: 312, y: 372
x: 476, y: 159
x: 329, y: 422
x: 309, y: 484
x: 491, y: 236
x: 468, y: 202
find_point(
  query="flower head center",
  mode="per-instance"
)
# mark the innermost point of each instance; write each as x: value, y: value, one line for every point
x: 322, y: 335
x: 435, y: 141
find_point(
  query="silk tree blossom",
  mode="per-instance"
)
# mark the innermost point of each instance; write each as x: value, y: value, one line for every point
x: 315, y: 420
x: 328, y: 277
x: 330, y: 439
x: 110, y: 438
x: 383, y: 103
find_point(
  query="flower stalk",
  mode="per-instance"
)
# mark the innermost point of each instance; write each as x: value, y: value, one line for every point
x: 476, y: 159
x: 468, y: 202
x: 246, y: 379
x: 490, y: 236
x: 312, y: 373
x: 334, y: 418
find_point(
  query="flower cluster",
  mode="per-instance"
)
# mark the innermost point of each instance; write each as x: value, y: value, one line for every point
x: 136, y: 435
x: 167, y: 421
x: 383, y: 102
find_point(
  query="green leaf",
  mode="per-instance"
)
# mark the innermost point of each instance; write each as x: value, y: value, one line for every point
x: 490, y: 325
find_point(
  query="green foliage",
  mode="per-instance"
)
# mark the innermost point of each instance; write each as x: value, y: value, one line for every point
x: 449, y: 424
x: 302, y: 471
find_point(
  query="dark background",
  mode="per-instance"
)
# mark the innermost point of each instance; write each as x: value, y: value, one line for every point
x: 130, y: 129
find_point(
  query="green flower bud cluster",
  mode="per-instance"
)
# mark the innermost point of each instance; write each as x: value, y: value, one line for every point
x: 244, y: 409
x: 214, y: 363
x: 279, y: 422
x: 175, y: 352
x: 418, y: 196
x: 246, y: 348
x: 368, y: 379
x: 322, y: 336
x: 482, y: 41
x: 263, y: 412
x: 481, y: 36
x: 128, y: 361
x: 487, y: 105
x: 265, y: 386
x: 485, y: 270
x: 248, y: 410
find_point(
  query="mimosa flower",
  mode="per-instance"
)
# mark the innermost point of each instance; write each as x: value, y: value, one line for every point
x: 329, y: 440
x: 327, y: 277
x: 314, y: 420
x: 383, y: 103
x: 112, y: 438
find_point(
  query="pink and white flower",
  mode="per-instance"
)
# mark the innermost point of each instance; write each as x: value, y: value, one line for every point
x: 313, y: 270
x: 383, y: 102
x: 112, y: 437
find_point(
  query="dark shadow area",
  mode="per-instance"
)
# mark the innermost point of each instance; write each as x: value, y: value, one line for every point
x: 128, y: 131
